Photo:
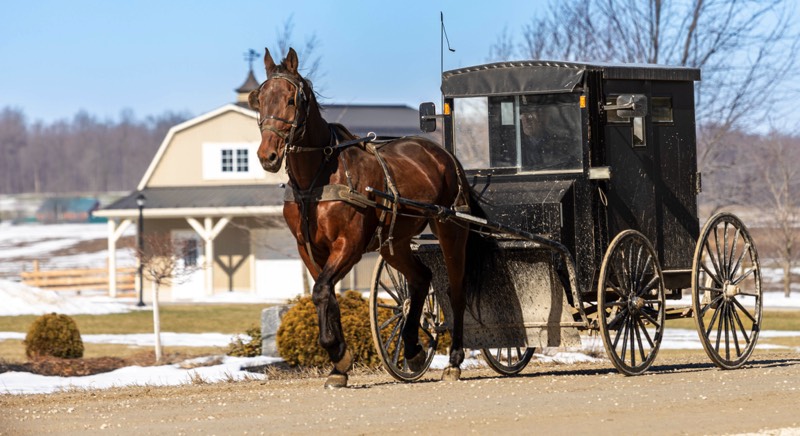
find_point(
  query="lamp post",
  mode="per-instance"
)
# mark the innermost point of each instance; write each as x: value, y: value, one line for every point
x: 140, y: 201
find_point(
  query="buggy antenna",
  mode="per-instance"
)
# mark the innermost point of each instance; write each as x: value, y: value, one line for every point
x: 442, y: 38
x: 250, y: 56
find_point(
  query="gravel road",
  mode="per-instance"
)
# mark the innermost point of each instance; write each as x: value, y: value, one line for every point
x: 677, y: 396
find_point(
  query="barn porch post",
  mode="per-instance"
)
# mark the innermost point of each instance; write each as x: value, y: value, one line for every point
x: 114, y: 233
x: 209, y: 231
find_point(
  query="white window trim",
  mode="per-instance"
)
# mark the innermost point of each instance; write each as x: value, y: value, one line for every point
x: 212, y: 161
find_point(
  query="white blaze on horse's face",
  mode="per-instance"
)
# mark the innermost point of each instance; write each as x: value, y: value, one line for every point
x: 277, y: 111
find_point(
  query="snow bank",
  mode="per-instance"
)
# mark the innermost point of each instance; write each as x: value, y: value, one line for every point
x: 166, y: 375
x: 20, y: 299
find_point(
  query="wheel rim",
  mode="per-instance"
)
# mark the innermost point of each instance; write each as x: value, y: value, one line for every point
x: 389, y: 300
x: 726, y: 291
x: 630, y: 300
x: 509, y: 360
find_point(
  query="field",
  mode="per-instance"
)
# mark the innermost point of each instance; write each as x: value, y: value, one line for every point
x: 179, y: 318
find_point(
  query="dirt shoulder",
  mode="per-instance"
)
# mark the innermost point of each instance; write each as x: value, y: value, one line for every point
x: 677, y: 396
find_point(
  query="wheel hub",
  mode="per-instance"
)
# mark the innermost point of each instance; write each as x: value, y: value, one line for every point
x: 635, y: 304
x: 731, y: 290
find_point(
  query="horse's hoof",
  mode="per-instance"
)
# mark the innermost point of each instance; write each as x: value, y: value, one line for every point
x: 345, y: 364
x: 417, y: 362
x: 336, y: 381
x: 451, y: 373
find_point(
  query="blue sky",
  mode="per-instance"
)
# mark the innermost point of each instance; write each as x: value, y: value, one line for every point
x: 59, y: 57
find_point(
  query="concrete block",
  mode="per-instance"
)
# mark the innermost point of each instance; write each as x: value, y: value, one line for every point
x: 270, y: 321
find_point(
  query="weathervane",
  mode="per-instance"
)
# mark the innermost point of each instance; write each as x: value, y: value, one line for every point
x: 250, y: 56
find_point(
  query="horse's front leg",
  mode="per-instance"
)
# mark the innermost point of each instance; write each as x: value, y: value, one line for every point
x: 331, y: 336
x: 418, y: 278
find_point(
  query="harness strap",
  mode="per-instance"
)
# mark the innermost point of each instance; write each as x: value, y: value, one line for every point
x: 373, y: 148
x: 330, y: 193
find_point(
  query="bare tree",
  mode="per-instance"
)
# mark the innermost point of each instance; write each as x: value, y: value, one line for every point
x: 777, y: 159
x: 310, y: 60
x: 746, y: 50
x: 163, y: 265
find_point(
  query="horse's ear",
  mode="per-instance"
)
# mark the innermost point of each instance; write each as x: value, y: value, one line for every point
x: 252, y: 99
x: 269, y: 64
x: 291, y: 61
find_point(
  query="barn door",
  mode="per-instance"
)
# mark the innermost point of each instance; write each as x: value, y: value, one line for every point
x: 189, y: 279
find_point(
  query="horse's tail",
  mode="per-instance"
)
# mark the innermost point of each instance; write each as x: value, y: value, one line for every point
x: 481, y: 254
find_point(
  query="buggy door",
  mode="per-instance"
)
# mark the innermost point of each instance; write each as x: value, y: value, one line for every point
x: 631, y: 153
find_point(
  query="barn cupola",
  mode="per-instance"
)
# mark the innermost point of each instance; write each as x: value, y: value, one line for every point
x: 250, y: 83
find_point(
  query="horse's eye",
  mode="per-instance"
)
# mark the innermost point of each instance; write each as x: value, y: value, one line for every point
x: 291, y: 101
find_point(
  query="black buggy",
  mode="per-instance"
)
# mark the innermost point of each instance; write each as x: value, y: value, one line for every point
x: 589, y: 178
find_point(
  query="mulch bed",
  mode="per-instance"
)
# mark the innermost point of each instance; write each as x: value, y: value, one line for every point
x: 54, y: 366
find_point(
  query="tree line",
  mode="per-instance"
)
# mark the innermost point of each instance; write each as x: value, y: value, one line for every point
x: 84, y: 154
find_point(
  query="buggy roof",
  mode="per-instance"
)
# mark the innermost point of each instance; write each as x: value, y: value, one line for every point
x: 546, y: 77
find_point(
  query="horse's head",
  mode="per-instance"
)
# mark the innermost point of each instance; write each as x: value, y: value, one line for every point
x: 282, y: 102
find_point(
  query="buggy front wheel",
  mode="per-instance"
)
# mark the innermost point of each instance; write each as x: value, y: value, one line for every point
x: 388, y: 306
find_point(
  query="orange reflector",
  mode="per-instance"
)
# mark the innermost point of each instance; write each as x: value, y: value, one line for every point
x: 447, y: 108
x: 583, y: 101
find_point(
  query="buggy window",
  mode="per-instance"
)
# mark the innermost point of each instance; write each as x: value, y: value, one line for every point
x: 527, y: 133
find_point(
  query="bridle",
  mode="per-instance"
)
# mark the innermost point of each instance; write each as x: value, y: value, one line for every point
x: 300, y: 99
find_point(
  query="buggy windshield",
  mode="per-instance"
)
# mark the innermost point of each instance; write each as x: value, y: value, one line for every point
x: 523, y: 132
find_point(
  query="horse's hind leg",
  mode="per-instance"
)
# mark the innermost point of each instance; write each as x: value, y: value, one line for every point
x: 453, y: 240
x: 418, y: 277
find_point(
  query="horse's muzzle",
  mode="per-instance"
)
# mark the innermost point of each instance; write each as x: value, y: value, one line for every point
x: 271, y: 162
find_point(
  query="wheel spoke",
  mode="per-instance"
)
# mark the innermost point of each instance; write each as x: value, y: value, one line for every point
x: 390, y: 291
x: 725, y: 309
x: 391, y: 336
x: 650, y: 285
x: 725, y: 266
x: 651, y: 320
x: 390, y: 320
x: 623, y: 313
x: 636, y: 321
x: 719, y: 326
x: 398, y: 285
x: 713, y: 318
x: 744, y: 276
x: 625, y: 327
x: 745, y: 311
x: 714, y: 262
x: 745, y: 250
x: 716, y: 300
x: 393, y: 308
x: 732, y: 269
x: 739, y: 322
x: 646, y: 333
x: 398, y: 345
x: 731, y: 312
x: 711, y: 274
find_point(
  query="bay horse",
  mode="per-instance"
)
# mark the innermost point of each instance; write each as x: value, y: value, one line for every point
x: 332, y: 234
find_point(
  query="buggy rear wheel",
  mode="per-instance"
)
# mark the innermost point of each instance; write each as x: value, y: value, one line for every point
x: 388, y: 306
x: 630, y: 303
x: 726, y: 291
x: 509, y: 360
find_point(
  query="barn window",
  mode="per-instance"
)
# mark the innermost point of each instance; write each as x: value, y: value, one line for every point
x: 241, y: 160
x: 227, y: 160
x: 230, y: 161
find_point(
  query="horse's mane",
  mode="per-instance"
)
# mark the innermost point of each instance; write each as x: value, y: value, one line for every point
x: 341, y: 131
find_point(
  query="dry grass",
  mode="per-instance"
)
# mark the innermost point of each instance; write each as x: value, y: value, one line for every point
x: 182, y: 318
